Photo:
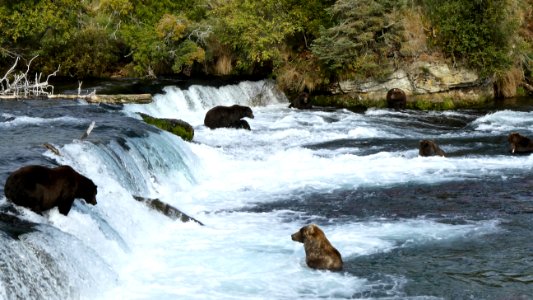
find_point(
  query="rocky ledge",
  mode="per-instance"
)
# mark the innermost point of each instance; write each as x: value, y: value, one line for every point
x: 427, y: 85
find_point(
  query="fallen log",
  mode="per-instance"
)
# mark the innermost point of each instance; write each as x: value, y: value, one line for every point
x: 166, y: 209
x: 527, y: 86
x: 111, y: 99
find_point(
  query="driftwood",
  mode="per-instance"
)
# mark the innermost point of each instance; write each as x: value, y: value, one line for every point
x: 19, y: 84
x: 91, y: 98
x: 113, y: 99
x: 527, y: 86
x: 166, y: 209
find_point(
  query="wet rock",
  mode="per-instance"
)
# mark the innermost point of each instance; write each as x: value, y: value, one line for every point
x: 175, y: 126
x: 12, y: 225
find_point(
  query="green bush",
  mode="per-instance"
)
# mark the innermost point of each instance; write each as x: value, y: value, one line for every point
x: 476, y: 33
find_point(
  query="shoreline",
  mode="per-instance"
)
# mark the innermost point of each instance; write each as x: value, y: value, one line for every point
x: 458, y: 98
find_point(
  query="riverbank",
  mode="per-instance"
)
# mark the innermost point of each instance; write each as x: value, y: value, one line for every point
x: 455, y: 99
x: 457, y: 94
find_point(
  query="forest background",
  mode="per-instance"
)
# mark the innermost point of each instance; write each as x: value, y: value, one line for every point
x: 303, y: 45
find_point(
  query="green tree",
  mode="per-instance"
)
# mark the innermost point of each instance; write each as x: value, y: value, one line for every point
x: 60, y: 33
x: 27, y: 25
x: 255, y: 31
x: 365, y: 39
x: 476, y: 33
x: 160, y: 35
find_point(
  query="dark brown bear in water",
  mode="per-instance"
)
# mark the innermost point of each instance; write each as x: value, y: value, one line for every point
x: 520, y: 143
x: 41, y: 188
x: 228, y: 117
x: 301, y: 102
x: 429, y: 148
x: 396, y: 98
x: 319, y: 253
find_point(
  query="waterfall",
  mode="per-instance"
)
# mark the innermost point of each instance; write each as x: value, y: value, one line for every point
x: 77, y: 255
x: 191, y: 104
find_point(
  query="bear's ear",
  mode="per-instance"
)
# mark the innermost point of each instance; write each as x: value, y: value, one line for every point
x: 311, y: 229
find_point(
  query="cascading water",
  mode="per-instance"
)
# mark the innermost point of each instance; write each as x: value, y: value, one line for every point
x: 192, y: 104
x: 408, y: 227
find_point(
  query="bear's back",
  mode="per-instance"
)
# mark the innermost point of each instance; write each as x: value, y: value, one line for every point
x: 226, y: 116
x: 25, y: 179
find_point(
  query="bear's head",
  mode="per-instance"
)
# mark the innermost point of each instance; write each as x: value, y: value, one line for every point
x: 518, y: 139
x: 427, y: 148
x: 396, y: 94
x: 514, y: 137
x: 87, y: 190
x: 308, y: 232
x: 244, y: 111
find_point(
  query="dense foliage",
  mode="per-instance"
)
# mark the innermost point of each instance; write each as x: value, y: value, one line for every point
x: 366, y: 39
x: 479, y: 32
x: 301, y: 44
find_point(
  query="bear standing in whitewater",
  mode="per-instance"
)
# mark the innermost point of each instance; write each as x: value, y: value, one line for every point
x: 319, y: 253
x: 41, y: 188
x: 228, y: 117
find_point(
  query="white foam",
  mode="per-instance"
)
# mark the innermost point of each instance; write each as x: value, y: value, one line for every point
x: 25, y: 120
x: 504, y: 121
x: 251, y: 256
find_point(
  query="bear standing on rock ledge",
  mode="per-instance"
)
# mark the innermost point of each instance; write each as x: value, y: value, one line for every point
x: 396, y: 98
x: 228, y: 117
x: 41, y: 188
x: 319, y: 253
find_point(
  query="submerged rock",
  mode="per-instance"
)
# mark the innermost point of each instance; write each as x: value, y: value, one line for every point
x: 175, y: 126
x: 12, y: 225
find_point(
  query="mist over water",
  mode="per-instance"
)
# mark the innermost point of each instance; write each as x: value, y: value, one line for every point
x: 408, y: 227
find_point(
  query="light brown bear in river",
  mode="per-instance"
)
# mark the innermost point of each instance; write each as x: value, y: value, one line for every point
x: 319, y: 253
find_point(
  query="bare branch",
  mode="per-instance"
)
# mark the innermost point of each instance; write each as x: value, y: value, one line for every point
x: 22, y: 84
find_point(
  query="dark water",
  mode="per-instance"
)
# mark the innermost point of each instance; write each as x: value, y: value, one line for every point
x: 498, y: 266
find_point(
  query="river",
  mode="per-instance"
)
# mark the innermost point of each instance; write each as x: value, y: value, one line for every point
x: 408, y: 227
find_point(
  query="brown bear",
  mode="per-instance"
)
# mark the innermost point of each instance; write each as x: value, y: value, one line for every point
x: 319, y: 253
x: 241, y: 124
x: 396, y: 98
x: 41, y: 188
x: 429, y: 148
x: 520, y: 143
x: 228, y: 117
x: 301, y: 102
